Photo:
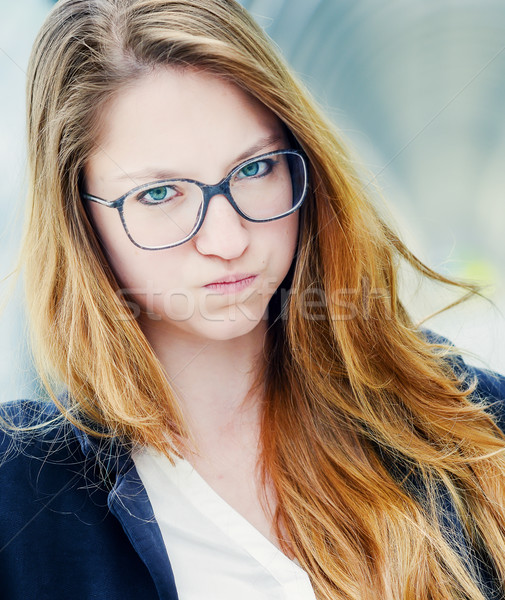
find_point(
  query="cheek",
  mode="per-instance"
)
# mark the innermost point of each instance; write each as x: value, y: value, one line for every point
x: 109, y: 229
x: 133, y: 267
x: 107, y: 225
x: 283, y: 238
x: 288, y: 237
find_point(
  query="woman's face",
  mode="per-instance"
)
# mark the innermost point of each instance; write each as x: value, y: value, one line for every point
x: 191, y: 125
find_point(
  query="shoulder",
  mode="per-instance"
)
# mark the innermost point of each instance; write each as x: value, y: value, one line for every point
x: 24, y: 413
x: 58, y: 529
x: 36, y: 444
x: 489, y: 385
x: 42, y: 452
x: 489, y: 388
x: 46, y: 476
x: 30, y: 424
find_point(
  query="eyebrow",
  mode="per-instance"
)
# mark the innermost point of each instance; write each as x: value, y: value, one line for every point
x: 160, y: 174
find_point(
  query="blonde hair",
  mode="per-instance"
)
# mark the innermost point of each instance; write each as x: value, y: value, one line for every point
x: 345, y: 394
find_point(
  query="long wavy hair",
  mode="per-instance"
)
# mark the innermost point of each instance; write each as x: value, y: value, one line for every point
x: 351, y: 385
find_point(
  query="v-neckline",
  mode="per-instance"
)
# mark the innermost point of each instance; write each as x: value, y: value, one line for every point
x: 208, y: 502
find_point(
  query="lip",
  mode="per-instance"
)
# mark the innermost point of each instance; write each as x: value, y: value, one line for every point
x: 232, y: 278
x: 237, y: 284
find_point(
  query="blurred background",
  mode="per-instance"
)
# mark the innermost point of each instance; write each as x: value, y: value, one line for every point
x: 416, y: 88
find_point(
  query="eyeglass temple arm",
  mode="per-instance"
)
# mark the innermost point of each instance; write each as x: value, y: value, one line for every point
x: 109, y: 203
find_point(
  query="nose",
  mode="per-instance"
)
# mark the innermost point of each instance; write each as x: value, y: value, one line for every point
x: 222, y: 232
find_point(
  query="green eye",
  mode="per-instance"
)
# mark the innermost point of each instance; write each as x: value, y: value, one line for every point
x: 157, y: 195
x: 251, y: 169
x: 258, y: 168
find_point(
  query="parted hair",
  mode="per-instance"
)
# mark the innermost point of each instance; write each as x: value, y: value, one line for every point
x: 348, y: 390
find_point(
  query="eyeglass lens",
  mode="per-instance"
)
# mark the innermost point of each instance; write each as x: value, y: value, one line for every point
x: 263, y: 189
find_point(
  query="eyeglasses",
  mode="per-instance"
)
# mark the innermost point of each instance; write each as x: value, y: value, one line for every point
x: 165, y: 214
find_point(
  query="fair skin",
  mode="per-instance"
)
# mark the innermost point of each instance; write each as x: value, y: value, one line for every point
x: 198, y: 126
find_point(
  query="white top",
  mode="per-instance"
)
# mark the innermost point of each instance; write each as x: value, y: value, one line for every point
x: 215, y: 553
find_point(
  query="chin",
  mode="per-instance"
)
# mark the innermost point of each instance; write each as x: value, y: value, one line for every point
x: 227, y: 329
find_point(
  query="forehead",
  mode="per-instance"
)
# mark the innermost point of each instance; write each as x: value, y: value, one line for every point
x: 187, y: 121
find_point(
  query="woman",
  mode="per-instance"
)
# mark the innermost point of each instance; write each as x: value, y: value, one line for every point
x: 240, y: 405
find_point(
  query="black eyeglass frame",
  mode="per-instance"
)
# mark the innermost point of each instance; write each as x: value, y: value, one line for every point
x: 209, y: 191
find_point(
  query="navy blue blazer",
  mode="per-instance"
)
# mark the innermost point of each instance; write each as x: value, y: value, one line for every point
x: 76, y: 522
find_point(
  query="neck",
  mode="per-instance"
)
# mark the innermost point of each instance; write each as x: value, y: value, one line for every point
x: 212, y: 382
